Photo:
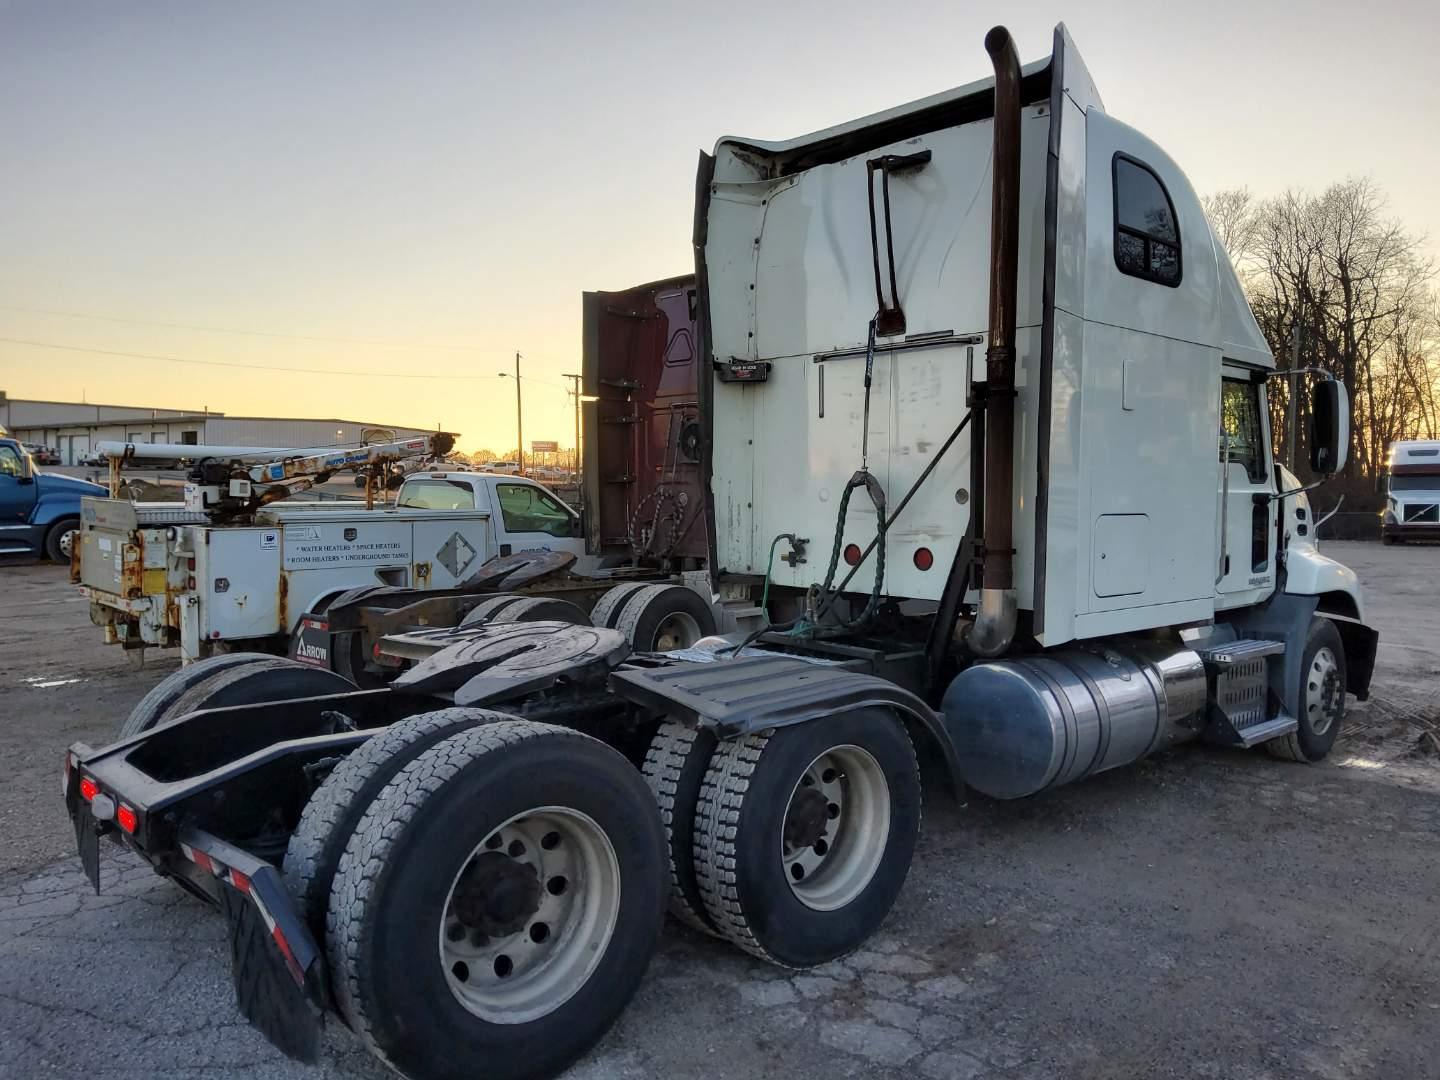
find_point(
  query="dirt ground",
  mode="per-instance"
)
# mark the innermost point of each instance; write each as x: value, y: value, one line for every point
x: 1204, y: 914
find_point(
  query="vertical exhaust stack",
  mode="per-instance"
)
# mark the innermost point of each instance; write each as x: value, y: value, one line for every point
x: 994, y: 626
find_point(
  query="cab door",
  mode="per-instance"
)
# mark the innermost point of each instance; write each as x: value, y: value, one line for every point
x: 17, y: 490
x: 532, y: 519
x: 1245, y: 570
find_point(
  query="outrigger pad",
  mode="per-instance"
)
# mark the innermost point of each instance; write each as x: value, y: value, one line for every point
x: 506, y: 572
x: 499, y: 661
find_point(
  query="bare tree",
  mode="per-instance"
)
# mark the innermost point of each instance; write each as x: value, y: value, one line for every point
x: 1358, y: 284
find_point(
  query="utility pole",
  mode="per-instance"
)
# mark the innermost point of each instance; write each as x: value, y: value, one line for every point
x: 1290, y: 405
x: 575, y: 462
x: 519, y: 424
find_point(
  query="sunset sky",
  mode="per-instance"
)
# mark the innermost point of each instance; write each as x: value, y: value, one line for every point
x: 425, y: 188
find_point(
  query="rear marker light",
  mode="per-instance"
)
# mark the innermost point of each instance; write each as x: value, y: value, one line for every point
x: 852, y: 554
x: 88, y: 788
x: 924, y: 559
x: 126, y: 818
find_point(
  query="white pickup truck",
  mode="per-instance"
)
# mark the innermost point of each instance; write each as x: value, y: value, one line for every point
x: 160, y: 575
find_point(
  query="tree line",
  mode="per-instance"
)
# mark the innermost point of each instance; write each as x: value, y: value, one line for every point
x: 1359, y: 286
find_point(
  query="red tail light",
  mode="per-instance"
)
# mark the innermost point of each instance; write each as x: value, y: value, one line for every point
x: 852, y: 554
x: 924, y: 558
x: 88, y: 788
x: 127, y: 819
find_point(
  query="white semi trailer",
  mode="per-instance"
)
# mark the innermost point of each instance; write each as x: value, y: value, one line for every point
x: 984, y: 429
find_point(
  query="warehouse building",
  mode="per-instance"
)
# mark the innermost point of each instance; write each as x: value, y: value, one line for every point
x: 74, y: 428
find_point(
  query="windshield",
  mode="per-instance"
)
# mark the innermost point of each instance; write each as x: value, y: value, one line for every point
x: 1415, y: 483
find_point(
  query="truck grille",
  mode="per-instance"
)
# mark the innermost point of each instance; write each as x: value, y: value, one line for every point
x: 1422, y: 512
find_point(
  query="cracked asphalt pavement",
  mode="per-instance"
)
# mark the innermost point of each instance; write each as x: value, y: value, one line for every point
x: 1204, y: 914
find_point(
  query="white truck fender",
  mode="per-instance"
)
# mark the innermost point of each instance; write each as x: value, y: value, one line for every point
x: 1308, y: 573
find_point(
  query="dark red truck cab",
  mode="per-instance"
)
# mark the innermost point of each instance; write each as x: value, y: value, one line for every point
x: 642, y: 490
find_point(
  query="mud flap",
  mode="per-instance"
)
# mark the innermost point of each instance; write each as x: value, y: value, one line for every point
x: 275, y: 964
x: 87, y: 839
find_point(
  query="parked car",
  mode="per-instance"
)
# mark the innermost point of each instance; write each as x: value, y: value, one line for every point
x: 96, y: 459
x: 39, y: 511
x: 43, y: 455
x: 509, y: 467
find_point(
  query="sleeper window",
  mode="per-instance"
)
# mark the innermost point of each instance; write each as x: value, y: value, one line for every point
x: 1147, y: 236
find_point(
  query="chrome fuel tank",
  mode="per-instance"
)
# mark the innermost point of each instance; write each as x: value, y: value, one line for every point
x: 1023, y: 725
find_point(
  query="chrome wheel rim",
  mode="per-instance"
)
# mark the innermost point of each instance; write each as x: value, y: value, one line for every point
x: 836, y: 824
x: 529, y: 915
x: 67, y: 542
x: 1323, y: 692
x: 677, y: 631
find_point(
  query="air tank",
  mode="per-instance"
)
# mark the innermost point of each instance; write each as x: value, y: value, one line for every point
x: 1023, y: 725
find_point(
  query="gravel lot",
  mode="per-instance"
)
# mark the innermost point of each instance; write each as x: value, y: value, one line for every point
x: 1206, y: 913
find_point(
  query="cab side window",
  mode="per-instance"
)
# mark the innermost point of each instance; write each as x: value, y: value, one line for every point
x: 528, y: 509
x: 1147, y: 234
x: 1240, y: 420
x: 9, y: 462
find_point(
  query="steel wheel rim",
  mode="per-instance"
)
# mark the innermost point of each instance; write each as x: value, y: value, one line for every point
x: 524, y: 973
x: 67, y: 542
x: 1322, y: 691
x: 677, y: 631
x: 829, y: 871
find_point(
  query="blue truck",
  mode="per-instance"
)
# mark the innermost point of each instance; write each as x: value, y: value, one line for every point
x: 39, y: 511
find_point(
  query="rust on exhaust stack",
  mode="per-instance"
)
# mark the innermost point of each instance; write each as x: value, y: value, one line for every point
x: 994, y: 626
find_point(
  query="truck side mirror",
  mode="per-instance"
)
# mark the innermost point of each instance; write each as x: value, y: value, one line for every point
x: 1329, y: 427
x: 1380, y: 479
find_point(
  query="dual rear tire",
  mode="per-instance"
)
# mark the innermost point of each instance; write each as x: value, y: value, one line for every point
x: 791, y: 844
x: 497, y: 895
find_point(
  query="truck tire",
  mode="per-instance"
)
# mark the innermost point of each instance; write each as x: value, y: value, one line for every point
x: 257, y: 679
x: 804, y: 836
x: 333, y: 811
x: 489, y: 608
x: 497, y: 904
x: 60, y: 540
x: 674, y: 767
x: 508, y: 607
x: 1322, y: 697
x: 607, y: 610
x: 155, y: 705
x: 659, y: 618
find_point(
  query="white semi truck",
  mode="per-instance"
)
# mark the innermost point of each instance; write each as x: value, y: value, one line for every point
x: 1411, y: 485
x: 984, y: 428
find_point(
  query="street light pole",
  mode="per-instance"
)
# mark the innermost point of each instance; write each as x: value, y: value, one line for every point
x: 519, y: 423
x: 575, y: 464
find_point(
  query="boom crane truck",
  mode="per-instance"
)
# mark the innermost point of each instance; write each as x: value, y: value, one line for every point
x: 983, y: 427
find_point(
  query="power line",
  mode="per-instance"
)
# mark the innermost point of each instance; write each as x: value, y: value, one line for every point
x: 264, y: 367
x: 232, y: 330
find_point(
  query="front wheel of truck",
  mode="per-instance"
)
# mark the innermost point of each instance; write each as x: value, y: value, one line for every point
x: 1323, y: 686
x: 60, y: 540
x: 498, y: 903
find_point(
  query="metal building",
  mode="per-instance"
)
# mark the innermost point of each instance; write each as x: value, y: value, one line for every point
x: 73, y: 428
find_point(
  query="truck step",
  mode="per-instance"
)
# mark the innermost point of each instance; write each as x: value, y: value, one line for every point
x: 1266, y: 730
x: 1239, y: 652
